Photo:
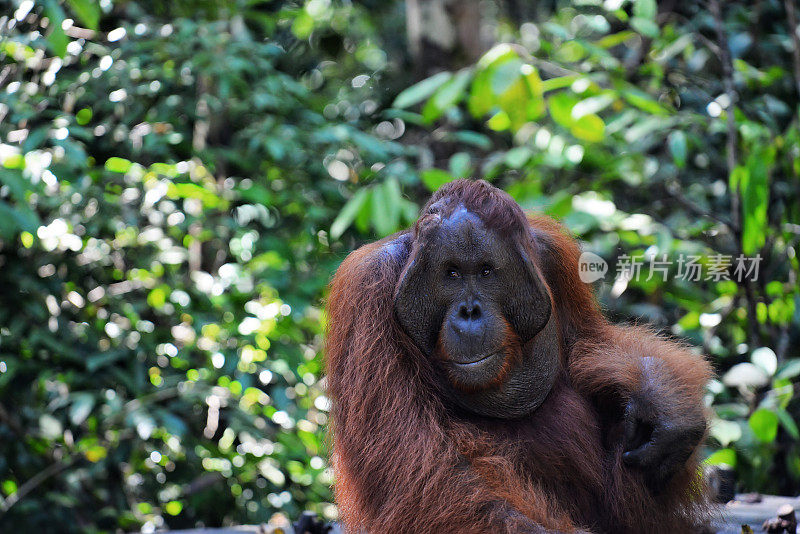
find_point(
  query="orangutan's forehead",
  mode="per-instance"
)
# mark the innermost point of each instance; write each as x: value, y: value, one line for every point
x: 465, y: 231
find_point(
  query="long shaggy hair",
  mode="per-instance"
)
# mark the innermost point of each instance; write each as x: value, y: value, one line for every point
x: 405, y: 462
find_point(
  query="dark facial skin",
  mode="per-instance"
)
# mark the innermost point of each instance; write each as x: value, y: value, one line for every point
x: 473, y: 301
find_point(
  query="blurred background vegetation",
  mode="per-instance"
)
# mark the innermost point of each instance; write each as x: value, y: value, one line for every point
x: 178, y: 181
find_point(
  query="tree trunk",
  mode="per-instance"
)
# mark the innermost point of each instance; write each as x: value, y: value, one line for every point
x: 443, y: 34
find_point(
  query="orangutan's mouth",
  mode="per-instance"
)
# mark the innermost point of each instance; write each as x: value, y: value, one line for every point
x: 467, y: 365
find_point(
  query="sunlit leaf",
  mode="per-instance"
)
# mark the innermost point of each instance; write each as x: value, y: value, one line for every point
x: 643, y: 101
x: 552, y: 84
x: 722, y: 457
x: 646, y: 9
x: 725, y: 432
x: 789, y: 369
x: 589, y: 128
x: 115, y: 164
x: 764, y: 424
x: 56, y: 38
x: 592, y: 105
x: 435, y: 178
x: 481, y: 99
x: 96, y: 453
x: 754, y: 187
x: 173, y: 507
x: 348, y: 213
x: 88, y: 12
x: 81, y: 407
x: 446, y: 96
x: 460, y: 164
x: 677, y: 147
x: 421, y: 90
x: 788, y: 423
x: 745, y: 374
x: 766, y: 359
x: 517, y: 157
x: 500, y: 121
x: 560, y: 107
x: 646, y: 27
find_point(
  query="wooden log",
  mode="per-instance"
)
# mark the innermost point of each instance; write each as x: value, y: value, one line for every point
x: 747, y: 509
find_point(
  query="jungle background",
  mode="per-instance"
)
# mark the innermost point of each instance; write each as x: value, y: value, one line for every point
x: 179, y: 180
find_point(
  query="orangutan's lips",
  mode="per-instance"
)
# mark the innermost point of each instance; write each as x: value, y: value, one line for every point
x: 467, y: 365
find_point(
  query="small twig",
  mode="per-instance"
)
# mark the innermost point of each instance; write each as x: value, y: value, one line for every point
x: 34, y: 482
x: 673, y: 190
x: 543, y: 64
x: 731, y: 159
x: 727, y: 80
x: 12, y: 422
x: 791, y: 16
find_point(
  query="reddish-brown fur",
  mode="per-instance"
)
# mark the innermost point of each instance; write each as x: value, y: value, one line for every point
x: 405, y: 463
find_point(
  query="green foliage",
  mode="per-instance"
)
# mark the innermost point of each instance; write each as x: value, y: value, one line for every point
x: 178, y: 181
x: 166, y: 195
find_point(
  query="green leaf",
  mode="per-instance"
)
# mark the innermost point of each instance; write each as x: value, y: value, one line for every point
x: 173, y: 507
x: 517, y: 157
x: 570, y: 52
x: 646, y: 9
x: 303, y: 25
x: 788, y: 423
x: 677, y: 147
x: 386, y: 207
x: 120, y: 165
x: 421, y: 90
x: 560, y: 82
x: 475, y: 139
x: 589, y: 128
x: 448, y: 95
x: 766, y: 359
x: 643, y: 101
x: 745, y: 374
x: 592, y: 104
x: 105, y: 358
x: 82, y: 404
x: 790, y: 369
x: 497, y: 55
x: 481, y: 99
x: 725, y: 432
x: 536, y: 105
x: 348, y: 213
x: 460, y: 164
x: 83, y: 116
x: 754, y: 187
x: 435, y: 178
x: 610, y: 41
x: 722, y: 457
x: 88, y: 11
x: 17, y: 184
x: 56, y: 39
x: 646, y: 27
x: 560, y: 107
x: 500, y: 121
x: 505, y: 75
x: 764, y: 424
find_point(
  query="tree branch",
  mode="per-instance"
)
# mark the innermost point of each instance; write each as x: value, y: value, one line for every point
x: 732, y: 158
x: 674, y: 191
x: 727, y: 80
